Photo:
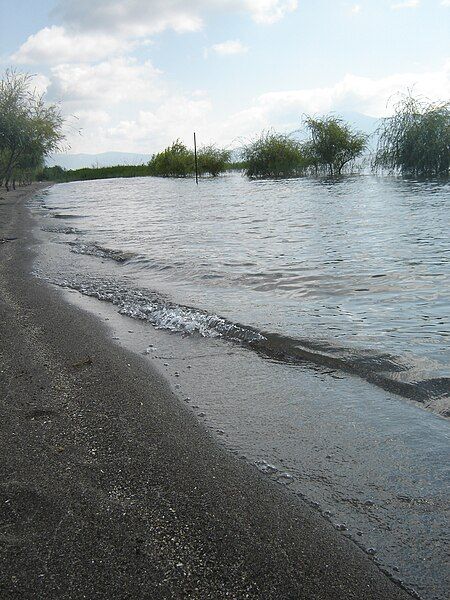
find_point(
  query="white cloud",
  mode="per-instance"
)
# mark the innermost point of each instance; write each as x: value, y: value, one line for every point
x: 150, y: 131
x: 174, y: 118
x: 140, y: 18
x: 268, y: 11
x: 355, y: 9
x: 230, y: 47
x: 122, y: 105
x: 95, y: 30
x: 54, y: 45
x: 93, y: 117
x: 405, y: 4
x: 106, y: 83
x: 41, y: 83
x: 373, y: 97
x: 445, y: 2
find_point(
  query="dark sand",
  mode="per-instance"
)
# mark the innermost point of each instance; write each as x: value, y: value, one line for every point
x: 109, y: 488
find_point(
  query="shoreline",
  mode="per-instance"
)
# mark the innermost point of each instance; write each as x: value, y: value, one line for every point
x: 128, y: 494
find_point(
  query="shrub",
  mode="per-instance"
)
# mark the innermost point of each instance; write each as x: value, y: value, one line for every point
x: 175, y: 161
x: 274, y: 155
x: 416, y: 139
x: 213, y: 160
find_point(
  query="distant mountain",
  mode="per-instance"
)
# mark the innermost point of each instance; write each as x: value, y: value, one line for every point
x: 105, y: 159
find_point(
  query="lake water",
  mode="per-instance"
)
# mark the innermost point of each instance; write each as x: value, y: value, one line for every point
x: 315, y: 322
x: 352, y: 273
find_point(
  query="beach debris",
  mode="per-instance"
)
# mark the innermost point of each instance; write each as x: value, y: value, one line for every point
x: 266, y: 467
x: 84, y: 362
x: 7, y: 239
x: 285, y: 478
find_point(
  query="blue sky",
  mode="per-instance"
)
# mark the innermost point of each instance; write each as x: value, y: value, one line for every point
x: 132, y: 75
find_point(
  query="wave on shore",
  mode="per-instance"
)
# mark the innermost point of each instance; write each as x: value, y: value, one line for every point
x: 94, y: 249
x: 382, y: 369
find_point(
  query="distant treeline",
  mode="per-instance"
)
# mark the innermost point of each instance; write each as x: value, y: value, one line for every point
x: 58, y: 174
x: 414, y: 141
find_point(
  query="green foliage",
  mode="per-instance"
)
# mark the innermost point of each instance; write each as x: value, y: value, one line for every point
x: 59, y: 174
x: 55, y: 173
x: 236, y: 166
x: 175, y: 161
x: 274, y: 155
x: 213, y: 160
x: 30, y: 129
x: 179, y: 161
x: 416, y: 139
x: 333, y: 144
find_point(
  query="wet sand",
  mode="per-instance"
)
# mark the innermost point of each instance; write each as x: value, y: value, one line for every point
x: 109, y: 487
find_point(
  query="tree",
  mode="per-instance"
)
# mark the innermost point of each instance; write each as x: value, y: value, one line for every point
x: 333, y: 144
x: 416, y: 139
x: 30, y: 129
x: 274, y: 155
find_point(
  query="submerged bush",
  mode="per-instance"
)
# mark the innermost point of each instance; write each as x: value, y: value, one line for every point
x: 213, y: 160
x: 333, y: 144
x: 274, y: 155
x: 416, y: 139
x: 175, y: 161
x: 179, y: 161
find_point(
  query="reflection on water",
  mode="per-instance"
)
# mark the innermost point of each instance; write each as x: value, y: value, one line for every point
x: 359, y: 262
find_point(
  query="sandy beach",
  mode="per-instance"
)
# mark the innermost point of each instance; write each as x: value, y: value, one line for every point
x: 111, y: 489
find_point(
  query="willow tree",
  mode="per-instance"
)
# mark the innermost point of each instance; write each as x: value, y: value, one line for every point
x: 333, y: 144
x: 416, y: 139
x: 30, y: 128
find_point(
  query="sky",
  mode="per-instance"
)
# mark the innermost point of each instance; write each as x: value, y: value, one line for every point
x: 134, y: 75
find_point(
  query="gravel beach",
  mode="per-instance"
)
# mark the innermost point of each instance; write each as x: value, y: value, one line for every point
x: 110, y: 488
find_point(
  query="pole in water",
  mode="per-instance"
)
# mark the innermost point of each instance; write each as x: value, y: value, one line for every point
x: 196, y: 161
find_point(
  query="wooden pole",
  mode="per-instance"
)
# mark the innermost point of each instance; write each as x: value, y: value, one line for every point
x: 196, y: 161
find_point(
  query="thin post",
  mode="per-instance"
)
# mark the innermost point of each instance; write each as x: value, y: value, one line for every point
x: 196, y: 161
